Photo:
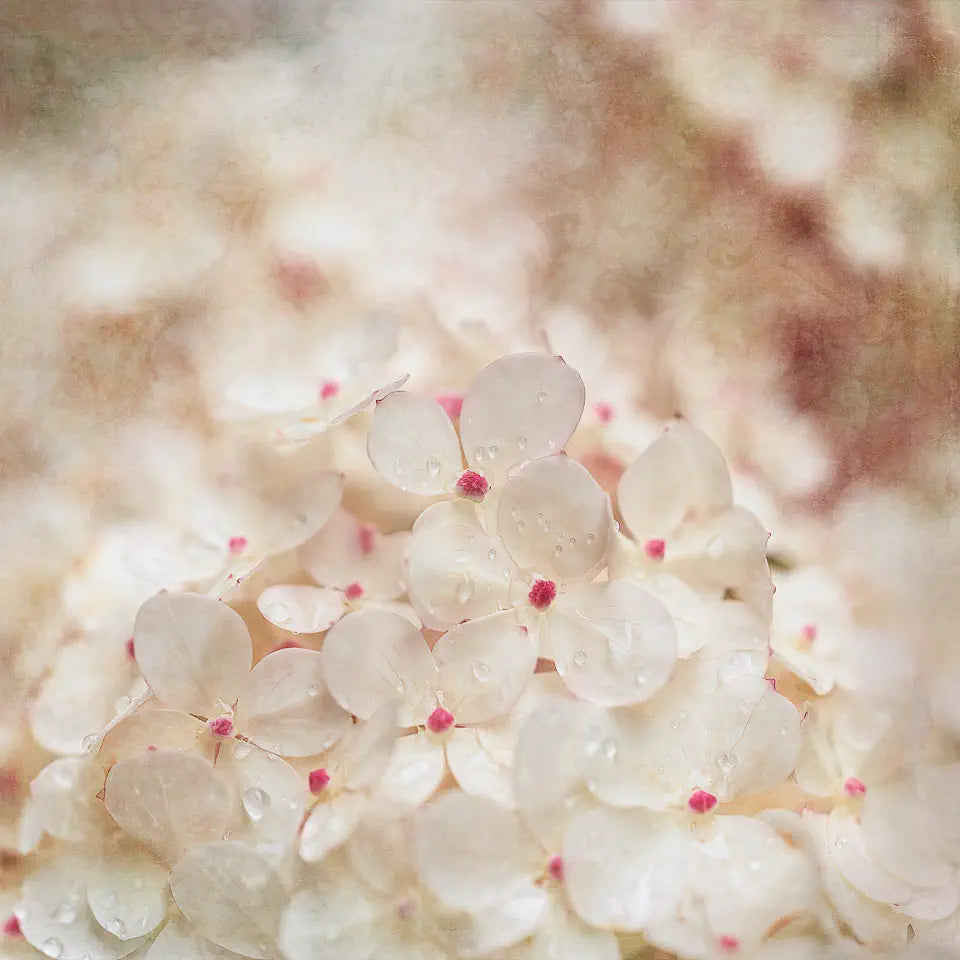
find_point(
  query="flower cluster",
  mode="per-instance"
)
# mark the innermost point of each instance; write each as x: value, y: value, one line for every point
x: 545, y: 723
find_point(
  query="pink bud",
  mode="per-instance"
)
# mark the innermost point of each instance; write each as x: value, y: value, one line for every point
x: 701, y: 802
x: 440, y: 721
x: 237, y: 545
x: 318, y: 780
x: 11, y: 926
x: 131, y: 653
x: 221, y: 726
x: 353, y: 591
x: 729, y: 944
x: 655, y: 549
x: 603, y: 412
x: 328, y: 389
x: 555, y: 868
x: 472, y: 485
x: 542, y: 594
x: 854, y: 787
x: 808, y: 633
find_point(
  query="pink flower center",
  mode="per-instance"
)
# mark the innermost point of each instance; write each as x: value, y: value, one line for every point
x: 440, y: 721
x: 318, y: 780
x: 353, y: 591
x: 221, y: 726
x: 603, y: 412
x: 808, y: 633
x: 452, y: 403
x: 701, y: 802
x: 854, y: 787
x: 11, y: 926
x: 131, y: 653
x: 655, y: 549
x: 472, y: 485
x: 237, y: 545
x: 555, y: 868
x: 328, y: 389
x: 366, y: 535
x: 542, y: 594
x: 729, y: 944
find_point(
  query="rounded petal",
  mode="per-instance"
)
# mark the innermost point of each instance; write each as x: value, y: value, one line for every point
x: 471, y: 852
x: 179, y: 940
x: 285, y: 707
x: 365, y: 751
x: 55, y: 918
x: 231, y: 896
x: 193, y: 651
x: 680, y: 477
x: 487, y: 929
x: 624, y: 868
x: 151, y: 726
x: 168, y: 800
x: 555, y: 520
x: 454, y: 571
x: 691, y: 619
x: 346, y: 552
x: 412, y: 443
x: 127, y: 893
x: 416, y: 769
x: 372, y: 658
x: 301, y: 608
x: 62, y: 802
x: 520, y: 407
x: 613, y: 643
x: 475, y: 768
x: 380, y: 850
x: 484, y: 666
x: 564, y: 936
x: 330, y: 824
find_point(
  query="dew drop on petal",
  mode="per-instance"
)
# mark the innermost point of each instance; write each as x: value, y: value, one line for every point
x: 726, y: 761
x: 398, y: 467
x: 464, y: 590
x: 558, y: 550
x: 492, y: 451
x: 840, y: 842
x: 117, y: 927
x: 580, y: 658
x: 640, y: 678
x: 89, y: 742
x: 522, y: 443
x: 478, y: 453
x: 610, y: 748
x: 481, y: 670
x: 52, y: 947
x: 433, y: 466
x: 520, y: 524
x: 491, y: 554
x: 541, y: 396
x: 514, y: 512
x: 242, y: 750
x: 255, y: 802
x: 313, y: 690
x: 590, y: 538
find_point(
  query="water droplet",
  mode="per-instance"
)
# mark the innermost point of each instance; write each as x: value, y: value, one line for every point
x: 478, y: 453
x: 514, y: 512
x: 572, y: 541
x: 522, y: 443
x: 520, y: 524
x: 610, y: 748
x: 65, y: 913
x: 640, y: 678
x: 313, y: 690
x: 481, y: 670
x: 674, y: 724
x: 492, y: 451
x: 491, y: 554
x: 783, y: 731
x: 660, y: 768
x: 726, y: 761
x: 684, y: 714
x: 580, y: 658
x: 117, y: 927
x: 255, y: 802
x: 278, y: 613
x: 400, y: 686
x: 242, y: 750
x: 464, y: 590
x: 52, y: 947
x: 541, y: 396
x: 558, y: 550
x: 840, y: 842
x: 89, y: 742
x: 471, y: 539
x: 398, y: 467
x: 590, y: 538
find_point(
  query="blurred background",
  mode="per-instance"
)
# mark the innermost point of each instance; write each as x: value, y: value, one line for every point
x: 224, y: 222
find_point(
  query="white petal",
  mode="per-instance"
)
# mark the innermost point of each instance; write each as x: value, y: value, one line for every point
x: 554, y: 519
x: 680, y: 477
x: 301, y: 608
x: 624, y: 868
x: 168, y: 800
x: 454, y: 571
x: 336, y: 920
x: 365, y: 751
x: 372, y: 658
x: 756, y: 739
x: 472, y: 853
x: 413, y: 444
x: 476, y: 770
x: 346, y: 552
x: 935, y: 903
x: 55, y: 918
x: 483, y: 931
x: 127, y: 893
x: 270, y: 799
x: 62, y: 800
x: 380, y: 850
x: 194, y: 651
x: 330, y: 824
x: 231, y: 896
x: 285, y: 706
x: 484, y: 666
x: 152, y: 726
x: 564, y: 936
x: 521, y: 407
x: 414, y: 773
x: 179, y: 941
x: 691, y: 619
x: 613, y: 643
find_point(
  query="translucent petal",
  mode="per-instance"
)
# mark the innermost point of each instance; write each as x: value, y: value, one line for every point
x: 483, y: 931
x: 127, y: 893
x: 380, y: 850
x: 476, y: 770
x: 564, y: 936
x: 231, y: 896
x: 336, y: 920
x: 613, y: 643
x: 55, y: 918
x: 691, y: 619
x: 179, y: 941
x: 168, y: 800
x: 343, y: 553
x: 301, y: 608
x: 372, y: 658
x: 520, y: 407
x: 285, y: 706
x: 330, y: 824
x: 935, y: 903
x: 364, y: 753
x: 757, y: 736
x: 471, y: 852
x: 555, y: 520
x: 624, y: 868
x: 269, y: 800
x: 194, y: 651
x: 413, y: 444
x: 62, y: 800
x: 151, y: 726
x: 484, y: 666
x: 680, y: 477
x: 454, y: 571
x: 415, y: 771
